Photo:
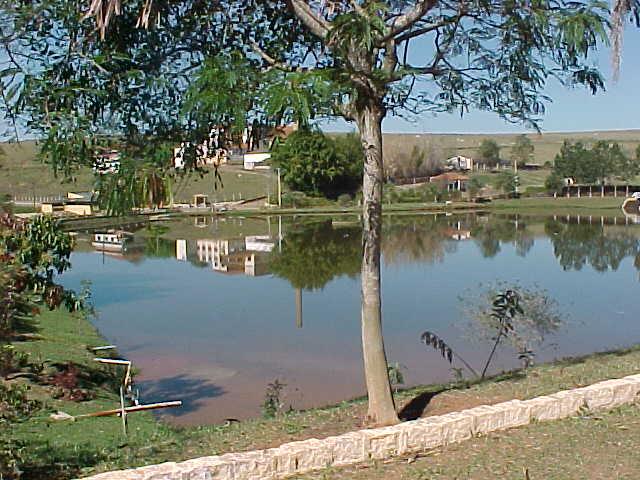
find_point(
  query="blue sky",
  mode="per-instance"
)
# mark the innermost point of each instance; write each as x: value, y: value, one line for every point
x: 617, y: 108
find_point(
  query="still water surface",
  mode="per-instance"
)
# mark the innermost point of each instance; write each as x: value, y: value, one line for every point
x: 211, y: 311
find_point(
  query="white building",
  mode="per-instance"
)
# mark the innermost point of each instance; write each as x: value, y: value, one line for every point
x: 459, y: 163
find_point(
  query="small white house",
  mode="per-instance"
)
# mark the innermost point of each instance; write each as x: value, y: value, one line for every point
x: 253, y: 160
x: 459, y: 162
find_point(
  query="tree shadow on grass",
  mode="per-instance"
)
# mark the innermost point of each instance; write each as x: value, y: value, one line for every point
x: 418, y: 404
x: 192, y: 391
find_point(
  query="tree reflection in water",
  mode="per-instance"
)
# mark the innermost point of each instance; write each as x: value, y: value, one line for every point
x: 314, y: 254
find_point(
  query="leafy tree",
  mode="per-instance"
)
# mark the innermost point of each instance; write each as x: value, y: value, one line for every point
x: 576, y: 161
x: 313, y: 163
x: 522, y: 150
x: 475, y: 185
x: 554, y: 182
x: 489, y: 152
x: 507, y: 182
x: 359, y: 60
x: 589, y: 165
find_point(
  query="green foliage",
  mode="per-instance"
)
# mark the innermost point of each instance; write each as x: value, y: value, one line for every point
x: 273, y: 403
x: 426, y: 193
x: 229, y: 62
x: 313, y: 163
x: 475, y: 185
x: 396, y: 376
x: 506, y: 182
x: 489, y: 152
x: 554, y: 182
x: 344, y: 200
x: 15, y: 406
x: 522, y: 151
x: 578, y: 245
x: 594, y: 165
x: 315, y: 254
x: 11, y: 361
x: 31, y: 254
x: 522, y: 316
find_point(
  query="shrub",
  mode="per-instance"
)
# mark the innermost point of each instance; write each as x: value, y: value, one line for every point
x: 344, y: 200
x: 315, y: 164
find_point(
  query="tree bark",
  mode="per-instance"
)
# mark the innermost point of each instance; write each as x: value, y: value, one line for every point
x: 382, y: 409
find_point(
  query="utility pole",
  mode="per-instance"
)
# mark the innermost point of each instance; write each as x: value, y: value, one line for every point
x: 299, y: 307
x: 279, y: 190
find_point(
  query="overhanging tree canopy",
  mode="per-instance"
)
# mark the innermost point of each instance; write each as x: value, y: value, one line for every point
x: 357, y: 59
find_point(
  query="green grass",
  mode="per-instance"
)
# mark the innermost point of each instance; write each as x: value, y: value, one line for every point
x: 527, y: 178
x: 602, y: 446
x: 549, y: 205
x: 87, y: 446
x: 22, y: 175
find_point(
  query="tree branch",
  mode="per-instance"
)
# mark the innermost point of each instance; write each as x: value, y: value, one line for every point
x: 407, y: 20
x: 305, y: 14
x: 358, y: 8
x: 269, y: 59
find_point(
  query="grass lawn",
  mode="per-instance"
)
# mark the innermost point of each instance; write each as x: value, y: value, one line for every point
x: 550, y: 205
x: 603, y: 446
x: 70, y: 449
x: 22, y: 175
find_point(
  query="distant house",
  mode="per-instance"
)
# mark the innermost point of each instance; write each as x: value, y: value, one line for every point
x: 106, y: 162
x: 255, y: 159
x: 75, y: 204
x: 452, y: 181
x: 459, y: 163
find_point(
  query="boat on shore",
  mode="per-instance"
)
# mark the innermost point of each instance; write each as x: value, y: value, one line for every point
x: 111, y: 241
x: 631, y: 205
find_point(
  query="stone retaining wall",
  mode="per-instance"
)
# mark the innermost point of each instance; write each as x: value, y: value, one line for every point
x: 382, y: 443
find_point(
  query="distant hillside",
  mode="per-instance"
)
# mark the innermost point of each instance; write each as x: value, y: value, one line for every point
x: 546, y: 145
x: 22, y: 174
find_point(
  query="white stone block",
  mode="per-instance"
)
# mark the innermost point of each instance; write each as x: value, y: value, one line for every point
x: 456, y: 427
x: 253, y: 465
x: 598, y: 396
x: 346, y: 449
x: 543, y: 408
x: 633, y: 378
x: 206, y: 468
x: 381, y: 443
x: 569, y: 402
x: 313, y: 454
x: 515, y: 413
x: 485, y: 419
x: 420, y: 435
x: 624, y: 391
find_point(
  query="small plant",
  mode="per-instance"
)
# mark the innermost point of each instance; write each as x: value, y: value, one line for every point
x: 430, y: 339
x: 344, y: 200
x: 521, y: 316
x: 396, y: 377
x: 506, y: 306
x: 273, y: 404
x: 15, y: 404
x: 67, y: 384
x: 12, y: 360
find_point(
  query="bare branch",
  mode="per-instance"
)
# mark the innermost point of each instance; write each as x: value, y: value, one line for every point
x: 269, y: 59
x: 305, y: 14
x: 407, y: 20
x: 358, y: 8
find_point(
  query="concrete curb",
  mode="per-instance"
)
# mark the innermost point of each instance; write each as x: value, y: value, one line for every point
x: 387, y: 442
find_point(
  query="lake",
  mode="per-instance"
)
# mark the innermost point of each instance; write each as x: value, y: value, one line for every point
x: 213, y: 310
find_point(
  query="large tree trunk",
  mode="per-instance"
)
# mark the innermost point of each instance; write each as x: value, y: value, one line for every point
x: 381, y: 405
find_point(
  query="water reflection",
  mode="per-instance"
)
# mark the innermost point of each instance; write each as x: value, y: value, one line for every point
x: 240, y: 287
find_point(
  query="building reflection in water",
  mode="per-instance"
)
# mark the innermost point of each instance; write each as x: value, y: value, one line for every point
x: 248, y: 255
